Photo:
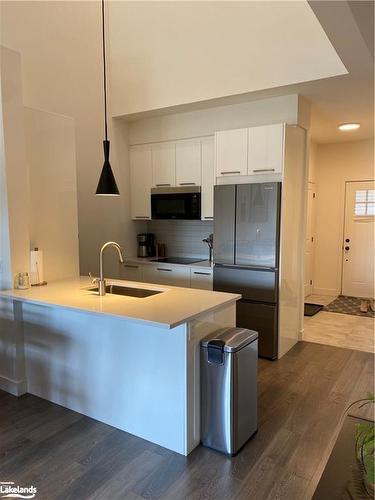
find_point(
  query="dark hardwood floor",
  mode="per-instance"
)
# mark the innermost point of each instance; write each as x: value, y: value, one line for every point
x: 301, y: 400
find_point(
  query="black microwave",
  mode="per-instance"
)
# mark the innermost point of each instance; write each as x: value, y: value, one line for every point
x: 176, y: 203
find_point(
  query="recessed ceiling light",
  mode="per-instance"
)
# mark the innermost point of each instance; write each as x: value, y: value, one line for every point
x: 349, y: 126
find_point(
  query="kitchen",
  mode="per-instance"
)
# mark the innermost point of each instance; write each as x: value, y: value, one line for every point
x: 167, y: 179
x: 201, y: 231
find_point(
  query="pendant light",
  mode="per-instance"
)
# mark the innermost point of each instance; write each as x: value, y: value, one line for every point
x: 107, y: 184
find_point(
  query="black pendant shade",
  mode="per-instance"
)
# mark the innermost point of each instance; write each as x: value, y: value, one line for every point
x: 107, y: 184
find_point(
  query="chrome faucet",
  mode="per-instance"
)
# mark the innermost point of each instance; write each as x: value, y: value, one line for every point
x: 101, y: 281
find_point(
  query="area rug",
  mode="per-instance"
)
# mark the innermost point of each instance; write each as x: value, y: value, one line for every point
x: 312, y: 309
x: 348, y: 305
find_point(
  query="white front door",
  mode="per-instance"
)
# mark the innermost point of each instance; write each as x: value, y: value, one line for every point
x: 358, y: 242
x: 309, y: 240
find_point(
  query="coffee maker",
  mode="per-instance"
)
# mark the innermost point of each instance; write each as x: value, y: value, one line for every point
x: 146, y: 245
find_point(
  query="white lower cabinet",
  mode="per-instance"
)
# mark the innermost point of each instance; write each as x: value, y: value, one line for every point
x: 167, y: 275
x: 201, y: 278
x: 164, y: 274
x: 132, y: 272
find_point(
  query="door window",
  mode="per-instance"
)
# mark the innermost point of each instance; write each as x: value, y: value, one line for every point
x: 364, y: 202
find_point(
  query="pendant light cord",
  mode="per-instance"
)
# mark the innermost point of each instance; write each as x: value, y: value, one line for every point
x: 104, y: 75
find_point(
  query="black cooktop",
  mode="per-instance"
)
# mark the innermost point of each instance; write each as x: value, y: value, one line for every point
x: 178, y: 260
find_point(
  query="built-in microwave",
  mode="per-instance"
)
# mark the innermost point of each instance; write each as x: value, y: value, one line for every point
x: 176, y: 202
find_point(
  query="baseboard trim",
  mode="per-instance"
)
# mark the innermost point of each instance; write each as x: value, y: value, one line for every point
x: 325, y: 291
x: 300, y: 334
x: 14, y: 387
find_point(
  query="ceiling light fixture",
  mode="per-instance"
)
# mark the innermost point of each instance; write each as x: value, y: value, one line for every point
x: 107, y: 184
x: 349, y: 126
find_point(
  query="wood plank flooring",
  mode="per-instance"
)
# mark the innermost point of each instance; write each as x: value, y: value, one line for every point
x: 302, y: 398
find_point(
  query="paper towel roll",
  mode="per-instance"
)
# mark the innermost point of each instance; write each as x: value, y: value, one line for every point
x: 36, y: 267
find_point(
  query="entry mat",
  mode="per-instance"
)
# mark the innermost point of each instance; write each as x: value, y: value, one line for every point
x: 312, y: 309
x: 348, y: 305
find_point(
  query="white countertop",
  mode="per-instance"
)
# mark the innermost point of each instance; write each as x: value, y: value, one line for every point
x: 202, y: 264
x: 168, y: 309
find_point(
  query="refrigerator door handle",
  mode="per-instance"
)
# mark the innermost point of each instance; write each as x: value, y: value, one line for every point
x: 250, y: 268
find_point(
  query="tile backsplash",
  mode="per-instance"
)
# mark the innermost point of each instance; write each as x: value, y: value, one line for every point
x: 183, y: 238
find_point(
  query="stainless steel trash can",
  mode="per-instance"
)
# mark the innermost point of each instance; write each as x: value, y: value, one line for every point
x: 229, y: 360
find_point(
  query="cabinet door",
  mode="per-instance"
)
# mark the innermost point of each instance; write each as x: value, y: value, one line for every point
x: 167, y: 275
x: 140, y: 183
x: 208, y: 179
x: 131, y: 272
x: 201, y: 279
x: 231, y: 152
x: 266, y: 149
x: 164, y: 164
x: 188, y: 163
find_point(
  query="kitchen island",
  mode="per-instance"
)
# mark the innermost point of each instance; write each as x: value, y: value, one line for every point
x: 128, y: 361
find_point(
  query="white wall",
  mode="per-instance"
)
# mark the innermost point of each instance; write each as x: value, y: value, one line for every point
x: 166, y: 54
x: 206, y: 121
x: 50, y: 152
x: 334, y: 165
x: 5, y: 265
x: 16, y: 169
x: 60, y: 47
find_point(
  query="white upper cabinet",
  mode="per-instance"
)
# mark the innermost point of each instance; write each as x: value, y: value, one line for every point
x: 231, y: 152
x: 266, y: 149
x: 140, y: 182
x: 208, y: 179
x: 188, y: 162
x: 164, y: 164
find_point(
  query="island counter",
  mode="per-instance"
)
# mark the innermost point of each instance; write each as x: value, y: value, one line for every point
x: 132, y: 363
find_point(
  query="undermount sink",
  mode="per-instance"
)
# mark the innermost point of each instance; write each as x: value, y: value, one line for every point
x: 128, y: 291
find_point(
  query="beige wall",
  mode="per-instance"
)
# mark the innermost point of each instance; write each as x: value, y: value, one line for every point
x: 334, y: 165
x: 60, y: 48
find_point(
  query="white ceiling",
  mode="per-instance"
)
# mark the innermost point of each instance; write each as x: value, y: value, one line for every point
x: 216, y: 52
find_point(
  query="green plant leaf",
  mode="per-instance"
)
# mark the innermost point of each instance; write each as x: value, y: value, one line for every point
x: 370, y: 469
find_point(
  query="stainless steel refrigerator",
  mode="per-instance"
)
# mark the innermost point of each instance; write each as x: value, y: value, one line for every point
x: 246, y: 255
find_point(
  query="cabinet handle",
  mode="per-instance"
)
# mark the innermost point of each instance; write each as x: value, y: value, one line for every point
x: 231, y: 172
x: 161, y: 185
x: 207, y: 217
x: 131, y: 267
x: 264, y: 170
x: 142, y: 217
x: 203, y: 274
x: 187, y: 183
x: 163, y: 269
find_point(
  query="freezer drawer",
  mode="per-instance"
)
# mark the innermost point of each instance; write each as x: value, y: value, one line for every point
x: 263, y: 319
x: 252, y: 284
